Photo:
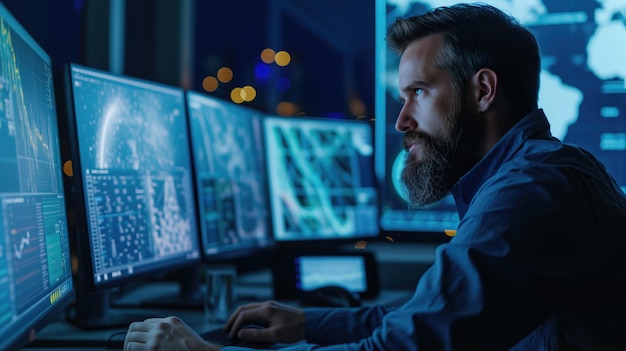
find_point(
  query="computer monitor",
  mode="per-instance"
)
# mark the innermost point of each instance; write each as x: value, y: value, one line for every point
x: 35, y: 271
x: 231, y: 179
x: 582, y: 92
x: 133, y: 194
x: 321, y: 178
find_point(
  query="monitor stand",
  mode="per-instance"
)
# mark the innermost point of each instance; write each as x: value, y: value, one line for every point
x: 185, y: 293
x: 101, y: 325
x: 93, y: 311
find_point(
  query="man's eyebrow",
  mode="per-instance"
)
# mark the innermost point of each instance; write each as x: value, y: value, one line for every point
x: 415, y: 83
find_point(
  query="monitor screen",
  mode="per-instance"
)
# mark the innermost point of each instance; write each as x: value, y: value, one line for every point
x: 321, y: 177
x: 317, y: 271
x: 35, y: 270
x: 133, y: 184
x: 231, y: 179
x: 582, y: 92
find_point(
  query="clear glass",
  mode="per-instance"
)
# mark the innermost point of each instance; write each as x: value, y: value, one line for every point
x: 219, y: 298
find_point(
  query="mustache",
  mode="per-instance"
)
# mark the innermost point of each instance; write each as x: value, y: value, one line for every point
x: 415, y: 137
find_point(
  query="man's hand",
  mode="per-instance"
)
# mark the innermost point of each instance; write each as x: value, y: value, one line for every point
x: 285, y: 324
x: 169, y: 333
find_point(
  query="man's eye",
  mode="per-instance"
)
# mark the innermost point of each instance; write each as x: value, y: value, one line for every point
x: 418, y: 91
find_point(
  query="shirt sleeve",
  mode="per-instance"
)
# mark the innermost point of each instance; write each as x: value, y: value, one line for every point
x: 520, y: 253
x: 327, y: 326
x: 466, y: 299
x: 333, y: 326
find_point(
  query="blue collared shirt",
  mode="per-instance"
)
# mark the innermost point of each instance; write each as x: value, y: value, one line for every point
x: 538, y: 261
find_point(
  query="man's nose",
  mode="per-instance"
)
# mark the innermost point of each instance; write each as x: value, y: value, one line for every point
x: 405, y: 121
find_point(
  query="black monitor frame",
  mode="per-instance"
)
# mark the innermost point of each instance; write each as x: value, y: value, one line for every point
x: 584, y: 100
x: 97, y: 315
x: 331, y: 241
x: 254, y: 156
x: 20, y: 330
x: 399, y: 222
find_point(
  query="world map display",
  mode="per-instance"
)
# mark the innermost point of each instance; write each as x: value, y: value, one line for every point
x: 583, y: 90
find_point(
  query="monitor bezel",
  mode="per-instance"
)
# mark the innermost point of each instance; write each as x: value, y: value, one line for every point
x: 383, y: 120
x: 81, y: 229
x: 234, y: 254
x: 32, y: 321
x: 322, y: 243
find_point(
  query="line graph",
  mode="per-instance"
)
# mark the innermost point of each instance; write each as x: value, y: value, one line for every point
x: 24, y: 220
x: 18, y: 249
x: 26, y: 130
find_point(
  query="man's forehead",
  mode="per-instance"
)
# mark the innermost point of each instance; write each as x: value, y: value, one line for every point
x: 418, y: 60
x: 425, y: 48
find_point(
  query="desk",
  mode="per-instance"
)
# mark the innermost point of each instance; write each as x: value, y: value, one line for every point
x: 252, y: 287
x: 400, y: 266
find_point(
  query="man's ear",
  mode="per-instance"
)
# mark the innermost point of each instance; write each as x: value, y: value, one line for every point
x: 485, y: 84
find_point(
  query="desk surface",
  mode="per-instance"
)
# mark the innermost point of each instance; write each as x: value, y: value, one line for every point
x: 61, y: 334
x: 256, y: 286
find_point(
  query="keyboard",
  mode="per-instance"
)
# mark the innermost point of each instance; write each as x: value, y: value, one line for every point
x: 221, y: 337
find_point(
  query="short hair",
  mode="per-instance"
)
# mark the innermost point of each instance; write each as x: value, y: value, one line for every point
x: 478, y: 36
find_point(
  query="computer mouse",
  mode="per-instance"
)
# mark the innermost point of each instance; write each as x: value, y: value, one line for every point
x: 330, y: 296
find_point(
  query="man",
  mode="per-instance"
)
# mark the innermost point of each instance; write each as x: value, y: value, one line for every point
x: 538, y: 259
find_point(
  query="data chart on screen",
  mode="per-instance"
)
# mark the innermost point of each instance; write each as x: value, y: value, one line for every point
x: 231, y: 176
x: 321, y: 178
x: 135, y: 165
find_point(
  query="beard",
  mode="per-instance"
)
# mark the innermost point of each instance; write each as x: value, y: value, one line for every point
x: 429, y: 180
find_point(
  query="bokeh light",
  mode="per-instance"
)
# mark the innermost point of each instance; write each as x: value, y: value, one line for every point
x: 235, y: 95
x: 262, y: 71
x: 210, y: 84
x: 357, y: 107
x: 450, y: 232
x: 224, y: 74
x: 286, y: 108
x: 248, y: 93
x: 67, y: 168
x: 267, y: 55
x: 282, y: 58
x: 361, y: 245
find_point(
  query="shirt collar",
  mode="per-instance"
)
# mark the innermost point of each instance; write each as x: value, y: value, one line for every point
x: 533, y: 125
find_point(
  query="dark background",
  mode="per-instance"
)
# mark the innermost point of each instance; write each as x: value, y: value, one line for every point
x: 179, y: 42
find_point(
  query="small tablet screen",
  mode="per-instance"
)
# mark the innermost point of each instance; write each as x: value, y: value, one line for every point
x: 316, y: 271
